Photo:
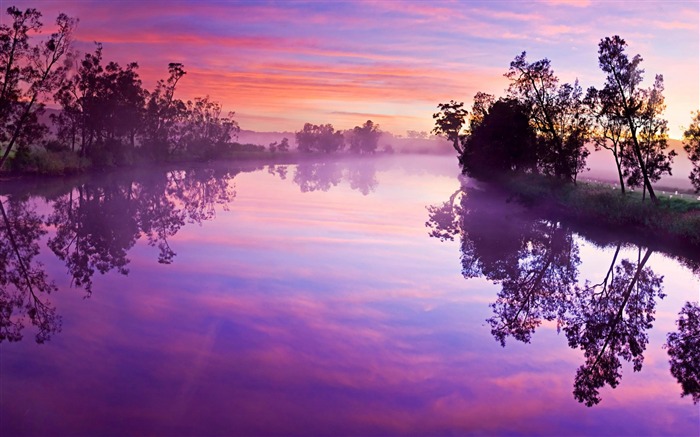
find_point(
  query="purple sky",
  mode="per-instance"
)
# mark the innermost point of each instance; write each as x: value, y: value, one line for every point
x: 280, y: 64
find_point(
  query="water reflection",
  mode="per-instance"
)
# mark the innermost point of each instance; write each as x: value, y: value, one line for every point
x: 684, y: 350
x: 24, y: 284
x: 310, y: 176
x: 96, y: 224
x: 536, y: 263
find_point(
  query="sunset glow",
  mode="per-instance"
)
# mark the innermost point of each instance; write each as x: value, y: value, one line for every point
x: 281, y: 64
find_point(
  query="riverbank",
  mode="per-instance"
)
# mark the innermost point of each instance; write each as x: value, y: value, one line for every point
x: 675, y: 218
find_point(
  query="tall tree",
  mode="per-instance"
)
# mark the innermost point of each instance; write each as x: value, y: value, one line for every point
x: 204, y: 132
x: 631, y: 103
x: 691, y: 144
x: 163, y: 115
x: 102, y: 109
x: 653, y: 140
x: 28, y: 72
x: 449, y: 122
x: 609, y: 131
x: 556, y: 112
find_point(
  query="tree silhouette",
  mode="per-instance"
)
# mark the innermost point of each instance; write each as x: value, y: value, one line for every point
x: 557, y: 114
x: 501, y: 140
x: 102, y: 110
x: 610, y: 132
x: 449, y: 122
x: 364, y: 139
x: 163, y: 115
x: 640, y: 109
x: 653, y: 141
x: 204, y: 132
x: 691, y: 144
x: 319, y: 138
x: 27, y: 73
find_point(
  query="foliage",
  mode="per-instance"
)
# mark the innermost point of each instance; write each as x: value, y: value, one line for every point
x: 282, y: 146
x: 556, y: 113
x: 319, y: 138
x: 28, y: 72
x: 203, y: 132
x: 364, y: 139
x: 609, y: 132
x: 449, y: 122
x: 652, y: 140
x: 644, y: 157
x: 501, y: 139
x: 102, y: 110
x: 691, y: 144
x: 163, y: 115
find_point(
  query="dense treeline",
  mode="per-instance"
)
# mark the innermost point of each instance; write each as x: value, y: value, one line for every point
x: 542, y: 126
x: 107, y: 117
x: 324, y: 138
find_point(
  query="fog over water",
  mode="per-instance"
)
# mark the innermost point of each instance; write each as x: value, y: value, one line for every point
x: 364, y: 296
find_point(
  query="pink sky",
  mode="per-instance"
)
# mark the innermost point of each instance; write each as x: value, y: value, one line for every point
x: 281, y: 64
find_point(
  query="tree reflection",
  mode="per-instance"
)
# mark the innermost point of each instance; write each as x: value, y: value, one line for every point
x: 609, y: 320
x: 684, y: 350
x: 322, y: 176
x: 317, y: 176
x: 536, y: 263
x: 23, y: 281
x: 95, y: 227
x: 362, y: 176
x: 98, y: 223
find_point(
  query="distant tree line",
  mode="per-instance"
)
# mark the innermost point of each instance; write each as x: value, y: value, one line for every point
x: 107, y: 117
x: 325, y: 139
x: 542, y: 126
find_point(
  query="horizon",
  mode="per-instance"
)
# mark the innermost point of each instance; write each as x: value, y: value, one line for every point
x: 278, y: 66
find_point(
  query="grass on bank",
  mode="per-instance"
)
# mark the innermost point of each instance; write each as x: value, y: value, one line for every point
x: 602, y: 204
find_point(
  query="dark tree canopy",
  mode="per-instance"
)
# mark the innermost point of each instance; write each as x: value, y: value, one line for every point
x: 556, y: 113
x: 501, y: 139
x: 319, y: 138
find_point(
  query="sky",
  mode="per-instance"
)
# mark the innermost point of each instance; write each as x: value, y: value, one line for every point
x: 281, y: 64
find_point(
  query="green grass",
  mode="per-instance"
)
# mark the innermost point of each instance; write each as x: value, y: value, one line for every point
x: 675, y: 218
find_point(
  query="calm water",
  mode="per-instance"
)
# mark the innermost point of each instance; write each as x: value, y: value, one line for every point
x: 369, y: 297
